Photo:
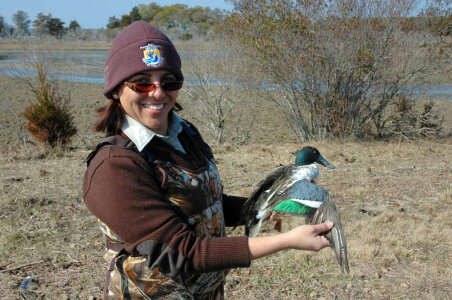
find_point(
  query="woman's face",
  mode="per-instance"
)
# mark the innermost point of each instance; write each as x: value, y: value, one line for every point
x: 149, y: 108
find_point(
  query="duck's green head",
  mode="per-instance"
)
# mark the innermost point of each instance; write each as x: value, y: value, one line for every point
x: 309, y: 155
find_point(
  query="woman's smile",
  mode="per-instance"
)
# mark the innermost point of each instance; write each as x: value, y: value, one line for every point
x: 149, y: 108
x: 158, y: 107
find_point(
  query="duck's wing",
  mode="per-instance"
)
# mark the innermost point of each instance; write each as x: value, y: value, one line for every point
x: 281, y: 184
x: 328, y: 212
x: 276, y: 185
x: 303, y: 192
x: 260, y: 204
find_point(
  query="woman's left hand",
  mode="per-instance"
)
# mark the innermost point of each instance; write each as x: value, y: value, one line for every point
x: 304, y: 237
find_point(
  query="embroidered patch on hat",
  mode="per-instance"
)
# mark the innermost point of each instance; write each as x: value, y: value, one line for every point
x: 152, y: 57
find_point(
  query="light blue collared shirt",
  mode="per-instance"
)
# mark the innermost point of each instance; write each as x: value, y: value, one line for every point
x: 141, y: 135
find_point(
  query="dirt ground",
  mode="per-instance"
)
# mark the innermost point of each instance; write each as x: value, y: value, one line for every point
x: 395, y: 199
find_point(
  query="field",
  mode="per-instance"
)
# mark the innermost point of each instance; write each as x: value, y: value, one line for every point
x: 395, y: 199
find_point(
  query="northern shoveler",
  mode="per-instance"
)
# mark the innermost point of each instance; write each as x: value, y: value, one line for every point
x: 291, y: 189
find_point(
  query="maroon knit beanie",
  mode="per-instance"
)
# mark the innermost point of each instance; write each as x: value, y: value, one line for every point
x: 139, y: 47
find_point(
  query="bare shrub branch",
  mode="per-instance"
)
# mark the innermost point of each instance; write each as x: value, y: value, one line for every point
x: 406, y: 123
x: 218, y: 95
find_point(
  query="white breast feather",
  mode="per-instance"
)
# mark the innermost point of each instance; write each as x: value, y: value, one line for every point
x: 308, y: 172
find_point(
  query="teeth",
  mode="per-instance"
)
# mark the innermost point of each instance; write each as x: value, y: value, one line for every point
x: 151, y: 106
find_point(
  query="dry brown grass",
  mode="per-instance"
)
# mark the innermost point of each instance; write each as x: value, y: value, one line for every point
x: 397, y: 220
x: 51, y: 43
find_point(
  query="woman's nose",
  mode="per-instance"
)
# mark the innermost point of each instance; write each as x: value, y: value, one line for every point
x: 158, y: 92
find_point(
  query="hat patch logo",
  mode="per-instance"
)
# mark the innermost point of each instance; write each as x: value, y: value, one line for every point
x: 152, y: 57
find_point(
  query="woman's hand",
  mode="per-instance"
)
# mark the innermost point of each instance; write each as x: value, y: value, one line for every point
x: 305, y: 237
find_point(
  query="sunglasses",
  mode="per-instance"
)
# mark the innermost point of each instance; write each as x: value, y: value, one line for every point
x: 149, y: 87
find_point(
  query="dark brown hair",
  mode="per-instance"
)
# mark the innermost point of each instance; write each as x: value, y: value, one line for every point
x: 110, y: 117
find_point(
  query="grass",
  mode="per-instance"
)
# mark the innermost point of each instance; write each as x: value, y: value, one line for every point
x: 51, y: 43
x: 397, y: 220
x: 401, y: 249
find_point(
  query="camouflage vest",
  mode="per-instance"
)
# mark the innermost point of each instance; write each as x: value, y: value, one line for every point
x: 199, y: 197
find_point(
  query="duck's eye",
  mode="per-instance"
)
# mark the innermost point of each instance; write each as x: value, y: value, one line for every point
x: 313, y: 151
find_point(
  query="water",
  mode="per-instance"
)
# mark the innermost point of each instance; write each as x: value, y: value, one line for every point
x: 437, y: 91
x: 94, y: 60
x: 80, y: 57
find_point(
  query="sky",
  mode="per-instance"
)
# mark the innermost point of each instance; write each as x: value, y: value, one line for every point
x: 90, y: 14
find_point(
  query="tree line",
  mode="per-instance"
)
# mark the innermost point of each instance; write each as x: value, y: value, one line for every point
x: 178, y: 20
x: 181, y: 21
x: 44, y: 24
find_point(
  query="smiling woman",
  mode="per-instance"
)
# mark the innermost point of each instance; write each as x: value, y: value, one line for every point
x: 146, y: 98
x: 155, y: 189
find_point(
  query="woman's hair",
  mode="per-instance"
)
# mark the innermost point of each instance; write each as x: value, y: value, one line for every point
x: 110, y: 117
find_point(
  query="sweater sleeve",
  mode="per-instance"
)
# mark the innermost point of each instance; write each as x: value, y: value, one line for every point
x: 121, y: 191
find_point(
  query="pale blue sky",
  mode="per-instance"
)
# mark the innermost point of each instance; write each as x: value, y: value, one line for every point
x: 90, y: 13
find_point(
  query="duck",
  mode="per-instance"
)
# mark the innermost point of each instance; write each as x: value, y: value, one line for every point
x: 292, y: 189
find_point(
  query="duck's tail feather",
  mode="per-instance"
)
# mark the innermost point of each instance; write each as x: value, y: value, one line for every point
x: 328, y: 212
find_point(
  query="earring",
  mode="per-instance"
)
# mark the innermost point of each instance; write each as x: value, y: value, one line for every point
x: 115, y: 96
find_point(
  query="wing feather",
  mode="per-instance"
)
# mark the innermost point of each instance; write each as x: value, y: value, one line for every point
x: 328, y: 212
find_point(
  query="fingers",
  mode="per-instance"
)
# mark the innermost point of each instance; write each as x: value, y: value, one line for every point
x: 319, y: 228
x: 324, y: 242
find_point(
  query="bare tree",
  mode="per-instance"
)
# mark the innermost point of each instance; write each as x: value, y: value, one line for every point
x: 217, y: 91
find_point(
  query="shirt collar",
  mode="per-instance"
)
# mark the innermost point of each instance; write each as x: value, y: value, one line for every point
x: 141, y: 135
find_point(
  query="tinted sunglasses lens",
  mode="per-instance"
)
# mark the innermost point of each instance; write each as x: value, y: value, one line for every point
x: 172, y: 85
x: 144, y: 88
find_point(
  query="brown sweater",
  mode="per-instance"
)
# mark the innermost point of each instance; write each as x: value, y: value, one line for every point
x: 125, y: 192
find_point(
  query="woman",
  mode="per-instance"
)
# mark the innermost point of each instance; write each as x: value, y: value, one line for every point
x: 154, y: 187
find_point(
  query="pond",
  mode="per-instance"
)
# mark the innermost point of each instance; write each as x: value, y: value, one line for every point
x: 87, y: 66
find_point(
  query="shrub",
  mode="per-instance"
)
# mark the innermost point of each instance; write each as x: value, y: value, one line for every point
x: 410, y: 124
x: 336, y: 66
x: 49, y: 119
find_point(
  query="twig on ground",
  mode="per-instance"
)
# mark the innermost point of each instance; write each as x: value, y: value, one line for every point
x: 4, y: 265
x: 21, y: 266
